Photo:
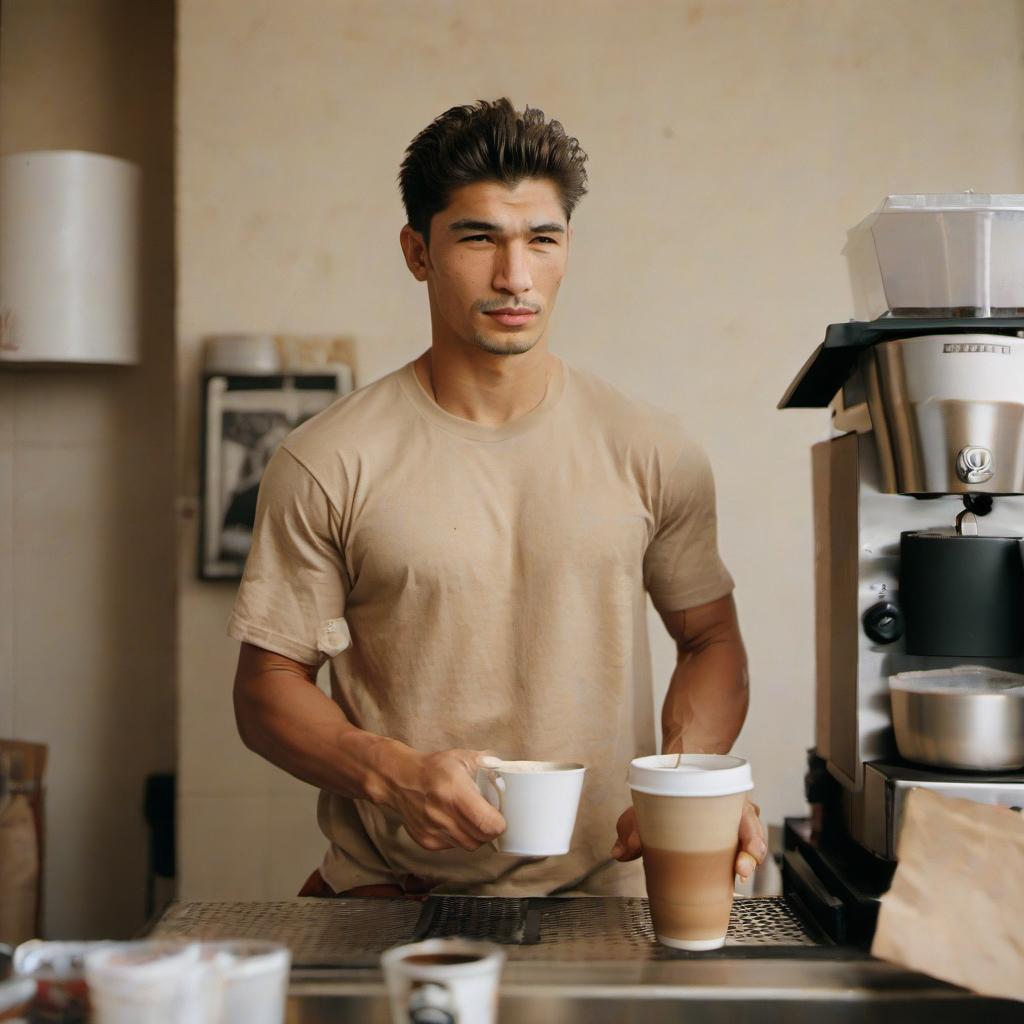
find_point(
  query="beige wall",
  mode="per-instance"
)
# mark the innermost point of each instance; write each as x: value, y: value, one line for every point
x: 87, y: 605
x: 732, y: 144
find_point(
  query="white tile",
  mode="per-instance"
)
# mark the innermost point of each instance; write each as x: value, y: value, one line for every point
x: 212, y: 758
x: 94, y: 662
x: 282, y: 785
x: 222, y: 848
x: 295, y: 844
x: 94, y: 607
x: 213, y: 761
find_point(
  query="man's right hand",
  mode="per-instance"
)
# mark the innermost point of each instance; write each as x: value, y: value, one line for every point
x: 284, y: 717
x: 436, y: 797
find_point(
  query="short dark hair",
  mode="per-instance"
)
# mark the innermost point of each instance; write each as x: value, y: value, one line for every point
x: 487, y: 142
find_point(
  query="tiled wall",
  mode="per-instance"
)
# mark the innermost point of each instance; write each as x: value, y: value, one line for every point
x: 247, y: 830
x: 87, y: 604
x: 732, y: 144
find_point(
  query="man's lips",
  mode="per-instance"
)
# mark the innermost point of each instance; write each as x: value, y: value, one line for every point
x: 512, y: 317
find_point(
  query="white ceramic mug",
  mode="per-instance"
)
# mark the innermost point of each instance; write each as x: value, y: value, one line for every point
x: 538, y: 800
x: 450, y: 980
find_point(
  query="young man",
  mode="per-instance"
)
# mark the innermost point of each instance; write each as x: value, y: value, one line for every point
x: 470, y: 540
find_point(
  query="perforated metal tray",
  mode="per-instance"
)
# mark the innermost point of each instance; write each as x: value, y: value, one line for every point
x: 607, y: 929
x: 354, y: 932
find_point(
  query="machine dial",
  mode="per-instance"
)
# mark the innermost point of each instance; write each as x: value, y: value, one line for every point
x: 883, y: 622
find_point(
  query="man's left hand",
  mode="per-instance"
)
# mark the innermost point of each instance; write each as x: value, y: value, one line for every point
x: 751, y: 850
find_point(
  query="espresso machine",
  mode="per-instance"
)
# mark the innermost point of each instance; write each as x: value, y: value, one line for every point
x: 918, y: 500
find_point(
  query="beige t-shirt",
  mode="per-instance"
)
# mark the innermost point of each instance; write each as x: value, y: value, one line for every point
x: 492, y: 580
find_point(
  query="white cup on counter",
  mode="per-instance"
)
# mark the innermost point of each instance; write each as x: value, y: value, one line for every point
x: 537, y: 799
x: 251, y: 979
x: 157, y: 981
x: 165, y: 981
x: 443, y: 980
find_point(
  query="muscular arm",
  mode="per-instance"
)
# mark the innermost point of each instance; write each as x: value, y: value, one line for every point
x: 704, y: 710
x: 284, y: 717
x: 707, y: 698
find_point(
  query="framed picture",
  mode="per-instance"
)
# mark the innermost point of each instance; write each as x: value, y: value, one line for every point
x: 245, y: 418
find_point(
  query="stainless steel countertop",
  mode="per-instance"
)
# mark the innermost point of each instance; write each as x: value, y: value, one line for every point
x: 591, y: 959
x: 787, y: 991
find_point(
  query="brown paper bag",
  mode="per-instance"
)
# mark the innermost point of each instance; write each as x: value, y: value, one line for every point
x: 955, y: 909
x: 19, y: 870
x: 22, y: 766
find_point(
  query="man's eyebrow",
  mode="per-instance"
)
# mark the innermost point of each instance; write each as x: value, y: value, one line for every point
x: 474, y: 225
x: 483, y: 225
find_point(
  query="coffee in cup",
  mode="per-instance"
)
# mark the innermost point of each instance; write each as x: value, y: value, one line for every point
x: 688, y: 817
x: 444, y: 979
x: 537, y: 799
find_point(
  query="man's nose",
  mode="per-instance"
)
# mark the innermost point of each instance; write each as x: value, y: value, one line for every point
x: 512, y: 273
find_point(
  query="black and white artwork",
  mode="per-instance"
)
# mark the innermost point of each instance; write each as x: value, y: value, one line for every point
x: 246, y: 419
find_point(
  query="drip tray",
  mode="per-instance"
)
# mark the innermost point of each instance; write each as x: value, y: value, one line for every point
x: 354, y: 932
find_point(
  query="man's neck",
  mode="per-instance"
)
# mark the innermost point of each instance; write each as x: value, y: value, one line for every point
x: 483, y: 388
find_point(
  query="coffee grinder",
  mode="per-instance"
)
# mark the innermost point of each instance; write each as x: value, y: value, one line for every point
x: 918, y: 514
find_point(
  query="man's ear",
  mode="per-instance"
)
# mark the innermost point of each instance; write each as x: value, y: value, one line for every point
x: 415, y: 249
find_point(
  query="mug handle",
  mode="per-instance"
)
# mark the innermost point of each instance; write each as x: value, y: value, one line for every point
x: 497, y: 784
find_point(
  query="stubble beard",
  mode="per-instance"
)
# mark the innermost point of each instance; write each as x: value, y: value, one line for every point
x: 515, y: 347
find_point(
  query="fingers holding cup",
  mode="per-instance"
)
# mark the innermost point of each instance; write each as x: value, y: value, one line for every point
x: 752, y: 848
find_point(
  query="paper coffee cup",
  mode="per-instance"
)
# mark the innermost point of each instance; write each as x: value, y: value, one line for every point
x: 251, y: 977
x: 537, y: 799
x: 443, y: 979
x: 689, y: 818
x: 157, y: 981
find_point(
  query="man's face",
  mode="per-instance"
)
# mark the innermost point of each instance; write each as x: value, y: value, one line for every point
x: 495, y: 261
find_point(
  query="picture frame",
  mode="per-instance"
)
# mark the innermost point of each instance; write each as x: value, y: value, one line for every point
x: 245, y: 418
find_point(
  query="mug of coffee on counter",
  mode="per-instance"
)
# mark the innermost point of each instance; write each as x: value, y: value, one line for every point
x: 688, y: 813
x: 537, y: 799
x: 443, y: 981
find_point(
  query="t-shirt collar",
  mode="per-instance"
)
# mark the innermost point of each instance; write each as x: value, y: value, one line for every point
x: 427, y: 407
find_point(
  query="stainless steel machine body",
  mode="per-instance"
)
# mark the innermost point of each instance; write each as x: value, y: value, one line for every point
x: 958, y: 727
x: 947, y: 412
x: 883, y: 799
x: 919, y: 541
x: 857, y: 531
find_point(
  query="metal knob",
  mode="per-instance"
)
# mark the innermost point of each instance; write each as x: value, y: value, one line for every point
x: 883, y: 622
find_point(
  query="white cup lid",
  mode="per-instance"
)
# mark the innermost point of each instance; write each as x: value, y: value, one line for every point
x: 697, y: 775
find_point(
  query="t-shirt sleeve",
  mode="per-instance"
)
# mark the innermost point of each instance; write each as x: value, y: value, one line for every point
x: 682, y: 566
x: 292, y: 596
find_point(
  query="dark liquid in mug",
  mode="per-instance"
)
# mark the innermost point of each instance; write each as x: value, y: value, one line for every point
x: 442, y: 959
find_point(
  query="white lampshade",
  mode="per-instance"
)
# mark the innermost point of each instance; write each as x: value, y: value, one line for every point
x: 69, y: 258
